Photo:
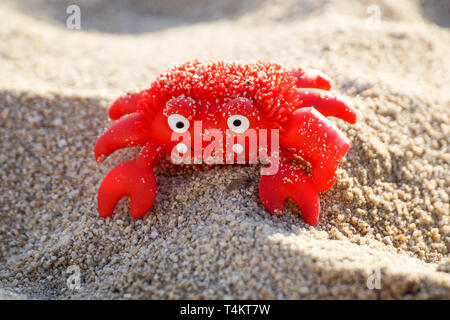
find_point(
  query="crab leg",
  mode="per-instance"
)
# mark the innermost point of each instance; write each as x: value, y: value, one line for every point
x: 311, y: 78
x: 124, y: 133
x: 134, y: 179
x: 317, y: 140
x: 290, y: 182
x: 328, y: 104
x: 124, y: 105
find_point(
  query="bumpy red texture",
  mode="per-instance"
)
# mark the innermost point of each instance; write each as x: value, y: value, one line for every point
x: 271, y: 88
x: 297, y: 102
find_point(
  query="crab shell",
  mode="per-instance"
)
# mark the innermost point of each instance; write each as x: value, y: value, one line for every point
x: 229, y: 99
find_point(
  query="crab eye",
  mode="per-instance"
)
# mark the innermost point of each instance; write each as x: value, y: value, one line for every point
x: 178, y: 123
x: 238, y: 123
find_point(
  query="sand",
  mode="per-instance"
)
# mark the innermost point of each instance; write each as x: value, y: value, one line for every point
x: 387, y: 215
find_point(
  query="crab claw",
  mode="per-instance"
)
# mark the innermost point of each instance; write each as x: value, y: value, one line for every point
x: 311, y: 78
x: 124, y: 105
x: 328, y: 104
x: 317, y: 140
x: 124, y: 133
x: 127, y: 179
x: 290, y: 182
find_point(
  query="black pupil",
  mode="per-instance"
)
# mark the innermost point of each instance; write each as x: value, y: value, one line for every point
x: 180, y: 125
x: 237, y: 123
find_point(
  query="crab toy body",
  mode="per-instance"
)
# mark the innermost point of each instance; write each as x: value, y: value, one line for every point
x: 218, y: 104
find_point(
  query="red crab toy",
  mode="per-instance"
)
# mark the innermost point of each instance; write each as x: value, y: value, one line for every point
x: 230, y: 101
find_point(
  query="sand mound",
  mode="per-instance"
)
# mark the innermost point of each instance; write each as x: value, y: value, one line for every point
x: 387, y: 213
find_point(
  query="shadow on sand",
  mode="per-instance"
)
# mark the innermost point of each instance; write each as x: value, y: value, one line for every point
x: 136, y: 16
x: 437, y: 11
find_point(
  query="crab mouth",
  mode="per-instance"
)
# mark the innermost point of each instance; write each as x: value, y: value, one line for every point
x: 183, y: 148
x: 196, y: 151
x: 237, y: 148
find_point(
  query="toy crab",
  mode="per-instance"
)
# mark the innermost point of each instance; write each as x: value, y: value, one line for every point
x: 224, y: 103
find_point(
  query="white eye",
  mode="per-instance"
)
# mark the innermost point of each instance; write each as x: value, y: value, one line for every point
x: 178, y: 123
x: 238, y: 123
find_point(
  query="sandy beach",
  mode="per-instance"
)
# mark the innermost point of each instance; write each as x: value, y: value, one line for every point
x: 387, y: 216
